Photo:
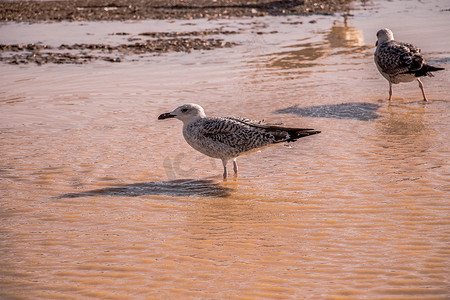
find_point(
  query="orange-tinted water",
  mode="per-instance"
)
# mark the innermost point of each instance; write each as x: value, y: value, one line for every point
x: 101, y: 200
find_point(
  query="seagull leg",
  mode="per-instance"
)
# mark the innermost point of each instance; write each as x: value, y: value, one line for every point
x: 423, y: 91
x: 390, y: 91
x: 235, y: 167
x: 225, y: 174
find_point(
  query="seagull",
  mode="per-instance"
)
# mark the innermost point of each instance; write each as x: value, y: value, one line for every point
x: 226, y: 138
x: 400, y: 62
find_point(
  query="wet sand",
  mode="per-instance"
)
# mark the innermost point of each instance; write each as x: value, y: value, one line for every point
x: 100, y: 200
x: 160, y: 42
x: 70, y: 54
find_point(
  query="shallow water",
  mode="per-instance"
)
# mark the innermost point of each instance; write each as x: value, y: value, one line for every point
x: 102, y: 200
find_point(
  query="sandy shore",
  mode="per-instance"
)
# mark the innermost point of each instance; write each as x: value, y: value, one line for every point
x: 155, y: 43
x: 120, y: 10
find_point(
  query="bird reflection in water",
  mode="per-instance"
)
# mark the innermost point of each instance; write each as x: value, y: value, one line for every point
x: 344, y: 36
x: 341, y: 37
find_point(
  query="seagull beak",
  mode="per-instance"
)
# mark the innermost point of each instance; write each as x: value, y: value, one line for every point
x: 166, y: 116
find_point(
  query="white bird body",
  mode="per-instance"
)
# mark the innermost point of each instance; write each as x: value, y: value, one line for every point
x: 397, y: 78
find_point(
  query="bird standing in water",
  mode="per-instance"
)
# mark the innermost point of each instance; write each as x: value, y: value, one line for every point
x: 227, y: 138
x: 400, y: 62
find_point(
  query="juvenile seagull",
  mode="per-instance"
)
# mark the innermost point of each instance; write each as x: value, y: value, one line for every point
x: 227, y: 138
x: 400, y: 62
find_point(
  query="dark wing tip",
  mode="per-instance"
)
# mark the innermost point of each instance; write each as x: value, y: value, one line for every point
x: 426, y: 71
x: 295, y: 134
x: 314, y: 132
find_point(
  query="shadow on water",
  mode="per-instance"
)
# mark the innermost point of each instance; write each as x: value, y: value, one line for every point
x: 177, y: 188
x: 361, y: 111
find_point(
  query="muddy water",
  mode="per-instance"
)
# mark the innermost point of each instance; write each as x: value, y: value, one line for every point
x: 101, y: 200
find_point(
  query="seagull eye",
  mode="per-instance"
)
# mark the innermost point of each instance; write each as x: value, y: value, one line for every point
x: 184, y: 110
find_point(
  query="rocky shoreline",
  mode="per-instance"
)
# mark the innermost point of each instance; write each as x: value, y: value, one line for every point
x: 121, y: 10
x: 157, y: 42
x: 162, y: 42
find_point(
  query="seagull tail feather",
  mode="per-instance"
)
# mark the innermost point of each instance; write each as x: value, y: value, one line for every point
x: 295, y: 134
x: 426, y: 71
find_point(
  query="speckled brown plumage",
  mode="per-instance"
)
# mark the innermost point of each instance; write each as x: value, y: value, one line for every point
x: 228, y: 137
x: 400, y: 62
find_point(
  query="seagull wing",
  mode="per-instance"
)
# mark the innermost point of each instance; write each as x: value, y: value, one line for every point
x: 398, y: 58
x: 236, y: 133
x: 242, y: 131
x: 280, y: 133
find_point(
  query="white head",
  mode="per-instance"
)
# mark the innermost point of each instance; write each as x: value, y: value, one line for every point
x: 384, y: 35
x: 187, y: 113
